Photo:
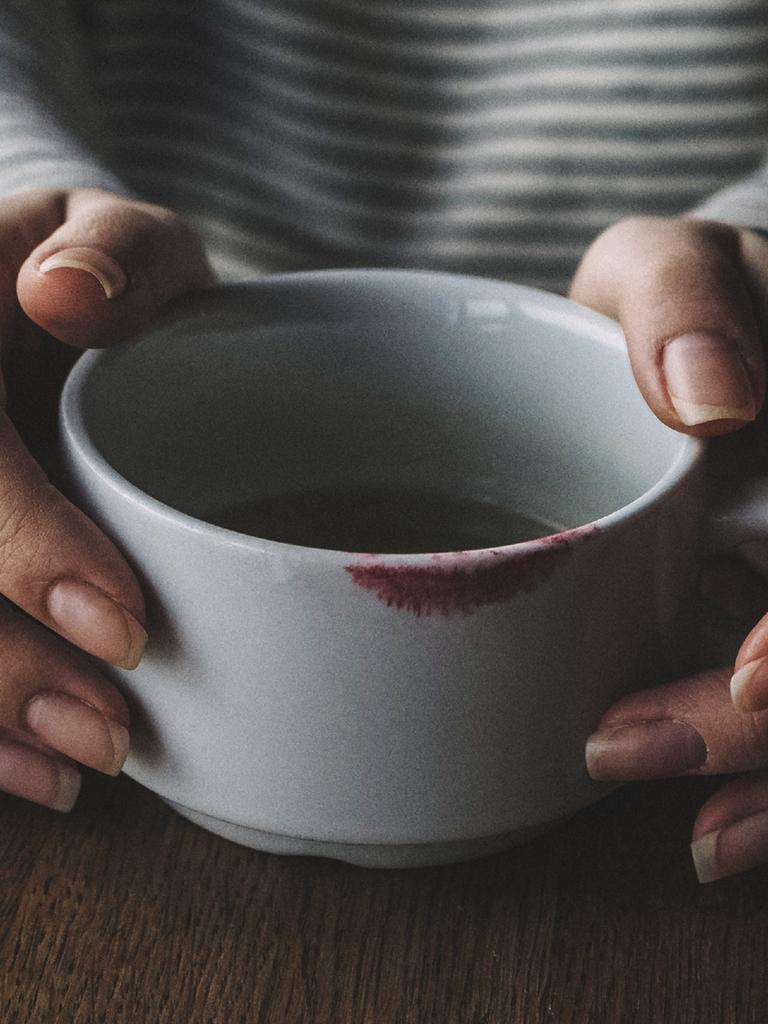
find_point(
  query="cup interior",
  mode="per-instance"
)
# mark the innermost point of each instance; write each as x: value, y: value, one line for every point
x: 480, y: 389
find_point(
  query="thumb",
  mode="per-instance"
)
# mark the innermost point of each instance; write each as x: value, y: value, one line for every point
x: 108, y: 269
x: 687, y: 727
x: 687, y: 295
x: 749, y: 684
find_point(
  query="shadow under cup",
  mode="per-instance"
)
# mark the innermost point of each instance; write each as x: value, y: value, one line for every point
x: 297, y: 704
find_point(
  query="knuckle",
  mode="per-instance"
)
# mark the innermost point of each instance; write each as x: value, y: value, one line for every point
x: 183, y: 237
x: 15, y: 519
x: 636, y: 229
x: 168, y: 240
x: 172, y: 225
x: 22, y: 533
x: 715, y: 233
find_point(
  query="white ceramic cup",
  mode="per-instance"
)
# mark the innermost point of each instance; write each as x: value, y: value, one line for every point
x: 385, y: 709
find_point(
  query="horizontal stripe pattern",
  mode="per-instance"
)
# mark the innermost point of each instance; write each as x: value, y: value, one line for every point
x: 495, y: 137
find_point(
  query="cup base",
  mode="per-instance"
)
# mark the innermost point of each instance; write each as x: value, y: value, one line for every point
x: 367, y: 855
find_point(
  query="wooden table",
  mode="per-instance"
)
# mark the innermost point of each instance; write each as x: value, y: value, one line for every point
x: 123, y: 912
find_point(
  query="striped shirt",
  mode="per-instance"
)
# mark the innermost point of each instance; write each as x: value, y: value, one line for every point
x: 495, y: 137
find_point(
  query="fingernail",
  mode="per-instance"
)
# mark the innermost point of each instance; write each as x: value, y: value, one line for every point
x: 749, y: 686
x: 92, y: 620
x: 70, y: 781
x: 645, y: 750
x: 706, y: 379
x: 704, y: 853
x: 732, y: 849
x: 107, y: 272
x: 78, y: 730
x: 31, y: 775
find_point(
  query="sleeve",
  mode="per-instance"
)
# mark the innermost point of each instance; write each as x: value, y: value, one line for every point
x: 743, y: 204
x: 48, y: 117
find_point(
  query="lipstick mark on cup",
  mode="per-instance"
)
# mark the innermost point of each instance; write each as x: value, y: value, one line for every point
x: 460, y: 582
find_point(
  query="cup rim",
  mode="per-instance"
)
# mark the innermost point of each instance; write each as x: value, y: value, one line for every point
x: 75, y: 435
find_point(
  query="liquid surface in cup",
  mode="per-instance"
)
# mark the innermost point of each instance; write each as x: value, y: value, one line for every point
x: 381, y: 520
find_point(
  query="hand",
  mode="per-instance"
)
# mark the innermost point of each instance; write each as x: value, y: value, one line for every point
x: 692, y: 298
x: 87, y: 268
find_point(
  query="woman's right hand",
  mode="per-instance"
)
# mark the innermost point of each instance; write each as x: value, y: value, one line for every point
x: 692, y: 298
x: 90, y: 269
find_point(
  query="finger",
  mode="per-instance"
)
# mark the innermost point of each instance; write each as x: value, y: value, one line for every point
x: 749, y: 684
x: 32, y: 775
x: 55, y: 563
x: 686, y: 300
x: 108, y: 269
x: 689, y: 727
x: 55, y: 700
x: 59, y: 567
x: 54, y: 706
x: 730, y: 834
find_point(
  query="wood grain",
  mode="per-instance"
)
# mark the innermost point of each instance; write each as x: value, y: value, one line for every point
x: 123, y: 912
